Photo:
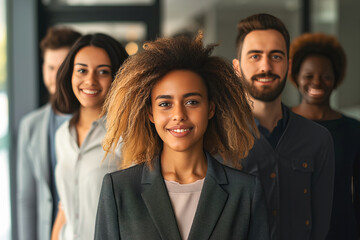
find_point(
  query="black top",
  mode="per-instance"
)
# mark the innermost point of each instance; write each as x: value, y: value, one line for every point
x: 297, y: 177
x: 346, y: 135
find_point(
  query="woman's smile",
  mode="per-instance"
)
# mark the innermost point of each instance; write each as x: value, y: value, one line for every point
x: 90, y: 92
x: 315, y: 92
x: 180, y: 131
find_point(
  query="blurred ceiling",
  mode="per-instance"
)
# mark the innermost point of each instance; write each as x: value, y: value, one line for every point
x: 180, y: 15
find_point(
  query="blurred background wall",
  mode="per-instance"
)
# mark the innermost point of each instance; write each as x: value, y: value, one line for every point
x: 24, y: 22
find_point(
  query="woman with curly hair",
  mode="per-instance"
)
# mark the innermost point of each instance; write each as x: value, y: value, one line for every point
x: 318, y: 64
x: 173, y: 106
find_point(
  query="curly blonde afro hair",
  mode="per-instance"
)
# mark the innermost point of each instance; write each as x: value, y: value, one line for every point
x: 317, y: 44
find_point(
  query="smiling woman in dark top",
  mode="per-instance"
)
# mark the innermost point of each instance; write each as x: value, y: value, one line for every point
x: 318, y: 67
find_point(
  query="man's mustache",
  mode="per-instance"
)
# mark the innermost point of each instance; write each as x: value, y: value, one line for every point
x: 265, y: 75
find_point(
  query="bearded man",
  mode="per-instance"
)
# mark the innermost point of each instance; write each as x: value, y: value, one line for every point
x: 294, y: 157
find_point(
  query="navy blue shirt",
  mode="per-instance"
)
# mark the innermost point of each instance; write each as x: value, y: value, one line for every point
x: 274, y: 136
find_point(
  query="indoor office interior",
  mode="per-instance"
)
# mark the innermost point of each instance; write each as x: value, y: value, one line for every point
x: 23, y: 23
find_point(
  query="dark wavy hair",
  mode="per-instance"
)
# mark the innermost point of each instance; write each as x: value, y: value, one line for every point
x: 317, y: 44
x: 262, y: 21
x: 230, y: 132
x: 64, y: 100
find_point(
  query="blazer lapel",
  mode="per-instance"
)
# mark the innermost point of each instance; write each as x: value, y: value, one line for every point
x: 158, y: 203
x: 212, y: 201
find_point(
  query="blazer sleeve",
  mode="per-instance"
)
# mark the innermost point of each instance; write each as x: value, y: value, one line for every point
x: 322, y: 188
x: 26, y: 188
x: 259, y: 229
x: 107, y: 224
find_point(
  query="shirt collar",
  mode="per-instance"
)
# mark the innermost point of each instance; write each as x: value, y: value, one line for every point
x: 283, y: 121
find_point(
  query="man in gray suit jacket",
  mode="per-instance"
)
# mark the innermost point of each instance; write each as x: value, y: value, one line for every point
x: 36, y: 193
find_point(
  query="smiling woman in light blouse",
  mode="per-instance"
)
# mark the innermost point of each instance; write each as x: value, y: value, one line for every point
x: 83, y: 82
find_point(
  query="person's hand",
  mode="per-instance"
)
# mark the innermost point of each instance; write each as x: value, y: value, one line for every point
x: 59, y: 223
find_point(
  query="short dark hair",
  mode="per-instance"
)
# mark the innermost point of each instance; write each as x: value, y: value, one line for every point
x: 64, y: 99
x: 58, y: 37
x: 262, y: 21
x: 317, y: 44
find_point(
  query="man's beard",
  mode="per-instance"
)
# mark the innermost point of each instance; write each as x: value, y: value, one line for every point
x: 263, y: 95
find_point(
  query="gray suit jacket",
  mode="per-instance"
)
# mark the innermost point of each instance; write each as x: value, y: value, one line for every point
x: 34, y: 199
x: 134, y: 204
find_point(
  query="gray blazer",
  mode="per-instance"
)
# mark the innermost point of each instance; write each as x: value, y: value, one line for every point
x: 34, y: 199
x: 134, y: 204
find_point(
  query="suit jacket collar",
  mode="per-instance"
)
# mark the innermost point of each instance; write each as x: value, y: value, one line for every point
x: 212, y: 201
x: 158, y: 203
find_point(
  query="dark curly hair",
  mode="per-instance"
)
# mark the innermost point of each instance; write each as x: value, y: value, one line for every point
x: 317, y: 44
x: 230, y: 132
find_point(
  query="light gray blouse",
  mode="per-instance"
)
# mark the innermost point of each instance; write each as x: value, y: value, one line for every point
x: 79, y: 174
